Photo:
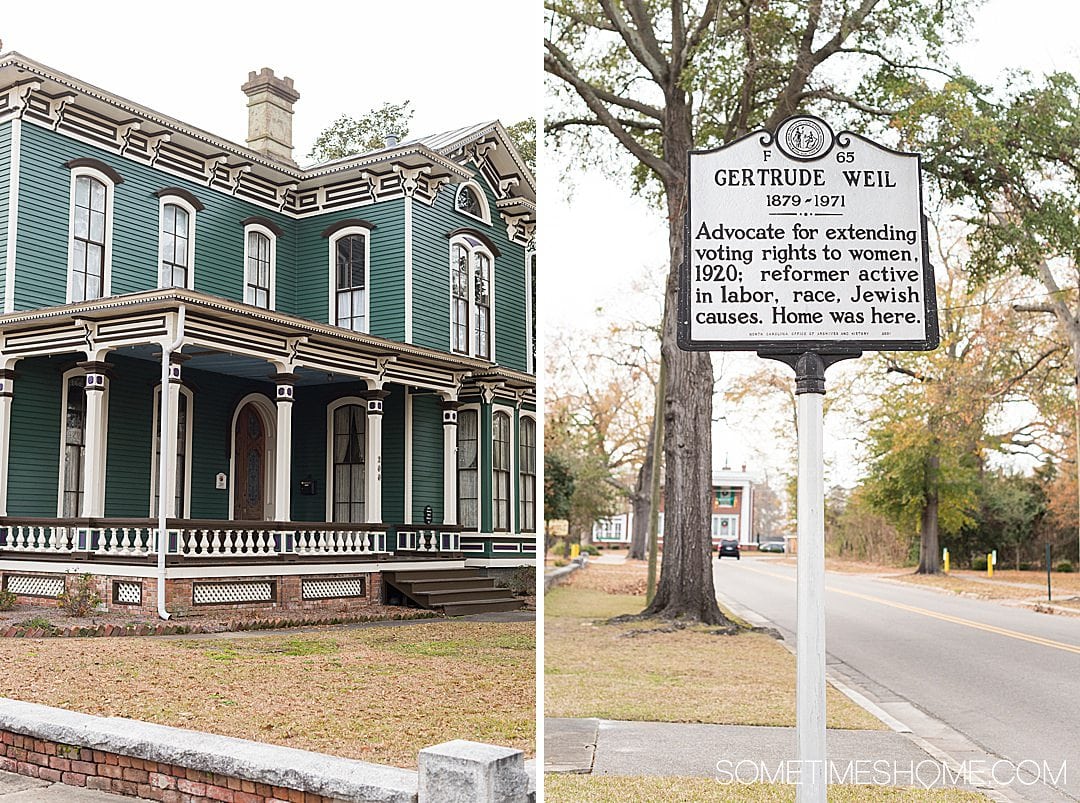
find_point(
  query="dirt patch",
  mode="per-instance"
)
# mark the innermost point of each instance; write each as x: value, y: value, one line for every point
x: 626, y: 578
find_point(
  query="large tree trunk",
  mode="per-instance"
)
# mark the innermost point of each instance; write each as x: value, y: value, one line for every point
x: 685, y: 590
x: 639, y: 529
x: 930, y: 547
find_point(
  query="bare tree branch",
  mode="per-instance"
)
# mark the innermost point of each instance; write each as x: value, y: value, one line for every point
x: 653, y: 62
x: 625, y: 122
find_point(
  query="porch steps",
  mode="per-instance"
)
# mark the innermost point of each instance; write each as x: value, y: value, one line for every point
x: 454, y: 592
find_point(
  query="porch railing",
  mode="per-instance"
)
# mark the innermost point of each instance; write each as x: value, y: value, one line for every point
x: 191, y: 538
x: 428, y: 538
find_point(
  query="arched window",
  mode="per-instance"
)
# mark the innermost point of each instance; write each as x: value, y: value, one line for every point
x: 177, y: 236
x: 471, y: 297
x: 527, y: 475
x: 182, y: 507
x: 349, y: 279
x: 346, y: 458
x: 468, y: 452
x: 90, y: 249
x: 260, y: 257
x: 500, y: 471
x: 470, y: 200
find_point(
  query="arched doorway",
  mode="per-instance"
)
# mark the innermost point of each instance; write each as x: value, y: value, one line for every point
x: 253, y: 460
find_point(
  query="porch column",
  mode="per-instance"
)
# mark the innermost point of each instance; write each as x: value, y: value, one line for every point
x: 171, y: 436
x: 373, y: 457
x: 7, y: 381
x: 94, y: 455
x: 450, y: 491
x: 283, y: 456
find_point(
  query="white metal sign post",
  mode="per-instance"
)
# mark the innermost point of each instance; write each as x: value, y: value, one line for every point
x: 808, y: 248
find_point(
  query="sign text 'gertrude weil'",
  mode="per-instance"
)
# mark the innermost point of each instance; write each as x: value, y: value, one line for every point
x: 806, y: 240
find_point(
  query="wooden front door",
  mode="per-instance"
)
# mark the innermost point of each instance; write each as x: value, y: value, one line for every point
x: 249, y: 486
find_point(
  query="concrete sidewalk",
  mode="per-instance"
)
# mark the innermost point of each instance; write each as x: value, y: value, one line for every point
x: 31, y: 790
x: 607, y: 747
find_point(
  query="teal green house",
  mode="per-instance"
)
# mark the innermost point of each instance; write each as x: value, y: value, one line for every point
x: 339, y: 359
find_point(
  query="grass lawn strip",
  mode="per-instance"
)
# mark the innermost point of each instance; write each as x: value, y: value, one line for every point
x: 378, y: 694
x: 637, y: 671
x: 627, y: 789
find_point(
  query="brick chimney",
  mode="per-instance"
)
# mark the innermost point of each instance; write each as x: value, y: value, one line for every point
x: 270, y: 110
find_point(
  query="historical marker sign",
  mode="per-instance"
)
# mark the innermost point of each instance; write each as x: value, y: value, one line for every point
x: 806, y: 241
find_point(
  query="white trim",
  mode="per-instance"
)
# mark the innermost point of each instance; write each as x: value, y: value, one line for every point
x: 530, y: 279
x: 176, y: 200
x: 185, y: 392
x: 86, y: 446
x: 481, y: 196
x: 499, y: 563
x: 470, y: 307
x: 13, y: 214
x: 261, y: 229
x: 269, y: 414
x: 332, y: 303
x: 279, y: 570
x: 408, y: 456
x: 329, y: 483
x: 110, y: 191
x: 408, y: 270
x: 80, y: 567
x: 509, y: 411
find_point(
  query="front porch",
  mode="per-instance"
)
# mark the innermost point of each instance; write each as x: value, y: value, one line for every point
x: 302, y: 451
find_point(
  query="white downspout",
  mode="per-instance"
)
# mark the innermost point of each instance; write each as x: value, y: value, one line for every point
x: 163, y: 471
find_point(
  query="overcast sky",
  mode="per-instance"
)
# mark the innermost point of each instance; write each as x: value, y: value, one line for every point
x: 602, y: 234
x: 459, y: 62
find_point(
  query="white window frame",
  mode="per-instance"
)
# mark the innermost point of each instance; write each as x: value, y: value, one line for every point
x: 485, y: 212
x: 512, y: 490
x: 332, y: 303
x: 329, y: 483
x: 68, y: 375
x: 261, y: 229
x: 269, y: 416
x: 191, y: 212
x: 154, y: 451
x: 479, y: 467
x: 110, y: 190
x: 472, y: 250
x: 522, y: 417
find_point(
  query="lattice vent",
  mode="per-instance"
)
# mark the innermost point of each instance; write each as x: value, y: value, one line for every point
x: 128, y: 593
x: 29, y: 586
x: 225, y: 593
x: 328, y: 589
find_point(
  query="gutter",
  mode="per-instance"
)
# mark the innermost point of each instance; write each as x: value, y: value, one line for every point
x: 163, y: 470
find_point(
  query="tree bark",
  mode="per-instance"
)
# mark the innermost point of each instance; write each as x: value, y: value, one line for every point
x: 685, y: 590
x: 929, y: 548
x: 639, y: 530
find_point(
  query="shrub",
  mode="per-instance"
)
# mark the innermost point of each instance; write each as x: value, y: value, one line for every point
x: 589, y: 549
x: 7, y: 600
x: 79, y: 597
x: 560, y: 563
x: 1025, y: 567
x: 521, y: 582
x: 1064, y: 566
x: 979, y: 563
x: 37, y: 621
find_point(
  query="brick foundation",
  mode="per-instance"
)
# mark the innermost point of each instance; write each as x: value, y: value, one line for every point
x: 134, y: 777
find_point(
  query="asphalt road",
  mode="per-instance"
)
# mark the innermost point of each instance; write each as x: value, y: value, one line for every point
x: 1006, y: 678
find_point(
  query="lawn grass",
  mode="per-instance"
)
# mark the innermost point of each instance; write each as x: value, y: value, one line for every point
x: 377, y: 694
x: 627, y: 789
x: 1002, y: 586
x: 643, y: 671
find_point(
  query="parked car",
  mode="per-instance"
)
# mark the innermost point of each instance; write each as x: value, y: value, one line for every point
x: 772, y: 546
x: 729, y: 547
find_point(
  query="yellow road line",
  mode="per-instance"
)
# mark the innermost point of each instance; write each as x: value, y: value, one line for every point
x: 956, y: 620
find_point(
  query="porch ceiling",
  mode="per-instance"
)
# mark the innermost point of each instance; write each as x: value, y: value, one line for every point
x: 235, y: 365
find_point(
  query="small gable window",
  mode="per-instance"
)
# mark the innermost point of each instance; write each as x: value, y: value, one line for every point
x: 470, y: 201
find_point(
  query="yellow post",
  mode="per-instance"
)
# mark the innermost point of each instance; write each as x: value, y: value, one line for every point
x: 989, y: 564
x: 575, y: 550
x: 946, y: 561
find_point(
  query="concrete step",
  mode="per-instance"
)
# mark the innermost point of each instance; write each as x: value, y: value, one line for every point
x: 420, y: 586
x: 415, y: 575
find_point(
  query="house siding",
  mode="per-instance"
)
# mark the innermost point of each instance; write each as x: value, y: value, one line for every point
x: 33, y: 467
x: 431, y: 277
x: 387, y: 269
x: 44, y: 210
x: 427, y: 457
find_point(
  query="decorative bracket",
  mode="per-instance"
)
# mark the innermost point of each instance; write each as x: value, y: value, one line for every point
x: 487, y: 390
x: 154, y: 143
x: 211, y: 164
x: 124, y: 131
x: 513, y: 222
x: 410, y: 178
x: 57, y: 106
x: 236, y: 175
x: 19, y: 96
x: 282, y: 193
x: 507, y: 184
